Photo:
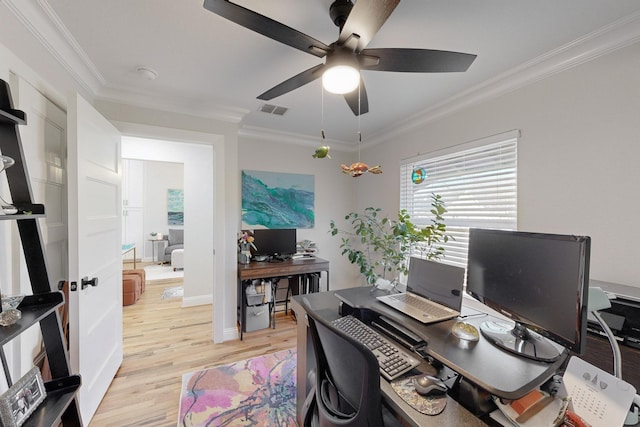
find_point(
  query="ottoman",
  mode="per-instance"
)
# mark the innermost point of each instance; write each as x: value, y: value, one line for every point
x: 141, y: 273
x: 131, y: 289
x: 177, y: 259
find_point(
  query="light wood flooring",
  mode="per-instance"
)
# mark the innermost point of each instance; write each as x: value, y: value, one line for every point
x: 162, y: 341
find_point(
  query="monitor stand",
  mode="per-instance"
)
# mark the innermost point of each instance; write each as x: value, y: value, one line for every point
x: 520, y: 340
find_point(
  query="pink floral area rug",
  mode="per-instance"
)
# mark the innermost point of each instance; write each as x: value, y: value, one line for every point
x: 256, y: 392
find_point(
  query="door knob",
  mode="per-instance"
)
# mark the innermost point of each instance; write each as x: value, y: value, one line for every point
x: 88, y: 282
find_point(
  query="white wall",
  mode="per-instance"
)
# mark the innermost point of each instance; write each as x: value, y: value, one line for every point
x: 577, y: 157
x: 333, y: 194
x: 158, y: 178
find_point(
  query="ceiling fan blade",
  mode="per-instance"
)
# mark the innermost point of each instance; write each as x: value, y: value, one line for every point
x: 364, y: 21
x: 415, y: 60
x: 352, y: 100
x: 294, y: 82
x: 267, y: 27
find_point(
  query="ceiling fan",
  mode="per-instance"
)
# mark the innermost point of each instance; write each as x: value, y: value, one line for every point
x: 358, y: 24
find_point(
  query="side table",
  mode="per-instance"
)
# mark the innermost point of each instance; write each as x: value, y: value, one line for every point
x: 156, y: 257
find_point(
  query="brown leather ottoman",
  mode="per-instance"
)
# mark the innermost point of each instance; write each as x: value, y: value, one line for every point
x: 141, y: 273
x: 131, y: 288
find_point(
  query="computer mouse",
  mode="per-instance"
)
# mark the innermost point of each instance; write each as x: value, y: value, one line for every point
x: 465, y: 331
x: 427, y: 385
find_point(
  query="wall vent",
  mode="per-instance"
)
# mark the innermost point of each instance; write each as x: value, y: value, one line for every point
x: 273, y: 109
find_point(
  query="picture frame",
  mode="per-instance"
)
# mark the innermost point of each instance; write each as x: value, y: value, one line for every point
x: 277, y: 200
x: 22, y: 398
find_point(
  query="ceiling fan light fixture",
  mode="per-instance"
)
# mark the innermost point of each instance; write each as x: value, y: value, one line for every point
x: 341, y: 79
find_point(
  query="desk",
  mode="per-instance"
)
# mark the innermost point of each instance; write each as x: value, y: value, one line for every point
x: 128, y: 247
x: 481, y: 363
x: 267, y: 270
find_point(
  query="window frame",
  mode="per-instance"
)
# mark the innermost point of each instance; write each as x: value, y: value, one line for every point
x: 484, y: 170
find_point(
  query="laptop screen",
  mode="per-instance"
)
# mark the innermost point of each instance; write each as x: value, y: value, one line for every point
x: 441, y: 283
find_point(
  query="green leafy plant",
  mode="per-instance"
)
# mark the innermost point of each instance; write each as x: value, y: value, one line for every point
x: 379, y: 245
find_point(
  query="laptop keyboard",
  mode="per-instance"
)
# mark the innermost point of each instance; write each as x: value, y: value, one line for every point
x: 392, y: 360
x: 423, y: 306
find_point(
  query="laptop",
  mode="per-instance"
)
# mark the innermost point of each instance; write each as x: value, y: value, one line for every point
x: 434, y: 291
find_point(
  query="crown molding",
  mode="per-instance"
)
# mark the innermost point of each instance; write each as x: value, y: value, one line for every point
x: 42, y: 22
x: 607, y: 39
x: 40, y: 19
x: 142, y: 100
x: 266, y: 134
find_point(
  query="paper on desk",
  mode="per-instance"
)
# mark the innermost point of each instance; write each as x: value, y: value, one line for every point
x: 598, y: 397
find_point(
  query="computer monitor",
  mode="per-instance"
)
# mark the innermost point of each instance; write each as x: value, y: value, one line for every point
x: 275, y: 243
x: 540, y: 281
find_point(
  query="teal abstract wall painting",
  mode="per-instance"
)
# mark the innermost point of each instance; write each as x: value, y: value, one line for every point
x: 277, y: 200
x: 175, y: 207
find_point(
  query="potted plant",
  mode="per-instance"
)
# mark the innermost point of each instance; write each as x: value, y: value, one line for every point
x: 381, y: 246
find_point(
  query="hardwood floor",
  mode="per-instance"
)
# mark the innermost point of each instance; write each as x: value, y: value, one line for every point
x: 162, y: 341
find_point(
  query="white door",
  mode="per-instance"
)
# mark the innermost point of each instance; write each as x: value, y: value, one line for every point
x: 95, y: 321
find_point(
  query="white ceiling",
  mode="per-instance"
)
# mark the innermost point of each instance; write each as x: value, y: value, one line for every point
x: 209, y: 66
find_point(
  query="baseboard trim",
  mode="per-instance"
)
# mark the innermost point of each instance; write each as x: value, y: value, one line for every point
x: 199, y: 300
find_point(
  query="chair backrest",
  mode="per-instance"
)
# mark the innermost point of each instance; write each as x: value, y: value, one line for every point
x: 347, y: 377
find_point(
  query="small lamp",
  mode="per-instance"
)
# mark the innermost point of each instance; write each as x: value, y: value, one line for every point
x: 342, y: 74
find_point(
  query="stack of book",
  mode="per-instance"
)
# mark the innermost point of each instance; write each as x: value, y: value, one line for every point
x: 305, y: 248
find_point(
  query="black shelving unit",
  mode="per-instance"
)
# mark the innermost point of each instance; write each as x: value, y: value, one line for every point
x: 60, y: 405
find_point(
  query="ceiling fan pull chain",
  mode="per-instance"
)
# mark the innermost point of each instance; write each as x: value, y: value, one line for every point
x: 322, y: 112
x: 359, y: 115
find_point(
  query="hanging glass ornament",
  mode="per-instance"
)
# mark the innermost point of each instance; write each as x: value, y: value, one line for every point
x: 418, y: 175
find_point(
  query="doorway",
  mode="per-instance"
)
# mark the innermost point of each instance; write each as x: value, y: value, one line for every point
x: 197, y: 168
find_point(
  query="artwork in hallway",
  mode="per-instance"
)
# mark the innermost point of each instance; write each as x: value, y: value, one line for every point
x: 277, y: 200
x: 175, y: 207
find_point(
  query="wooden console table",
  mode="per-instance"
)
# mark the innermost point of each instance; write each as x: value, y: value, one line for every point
x: 268, y: 270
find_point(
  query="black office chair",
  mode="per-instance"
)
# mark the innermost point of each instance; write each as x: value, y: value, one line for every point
x: 347, y: 381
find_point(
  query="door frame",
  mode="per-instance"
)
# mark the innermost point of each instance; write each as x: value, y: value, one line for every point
x: 219, y: 216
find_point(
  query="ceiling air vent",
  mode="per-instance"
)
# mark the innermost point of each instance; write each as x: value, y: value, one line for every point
x: 273, y: 109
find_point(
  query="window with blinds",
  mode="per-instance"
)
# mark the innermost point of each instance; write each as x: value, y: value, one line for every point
x: 478, y: 186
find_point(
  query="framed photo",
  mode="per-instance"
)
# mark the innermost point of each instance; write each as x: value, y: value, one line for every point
x: 17, y: 403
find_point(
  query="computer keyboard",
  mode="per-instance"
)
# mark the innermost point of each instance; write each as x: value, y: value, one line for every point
x: 392, y: 360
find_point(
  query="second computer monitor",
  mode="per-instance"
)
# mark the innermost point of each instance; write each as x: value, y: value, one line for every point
x: 274, y: 243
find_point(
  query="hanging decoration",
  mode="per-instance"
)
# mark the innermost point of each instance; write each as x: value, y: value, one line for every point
x: 322, y: 151
x: 358, y: 168
x: 418, y: 175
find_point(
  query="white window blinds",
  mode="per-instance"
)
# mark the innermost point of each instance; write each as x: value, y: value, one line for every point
x: 478, y: 186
